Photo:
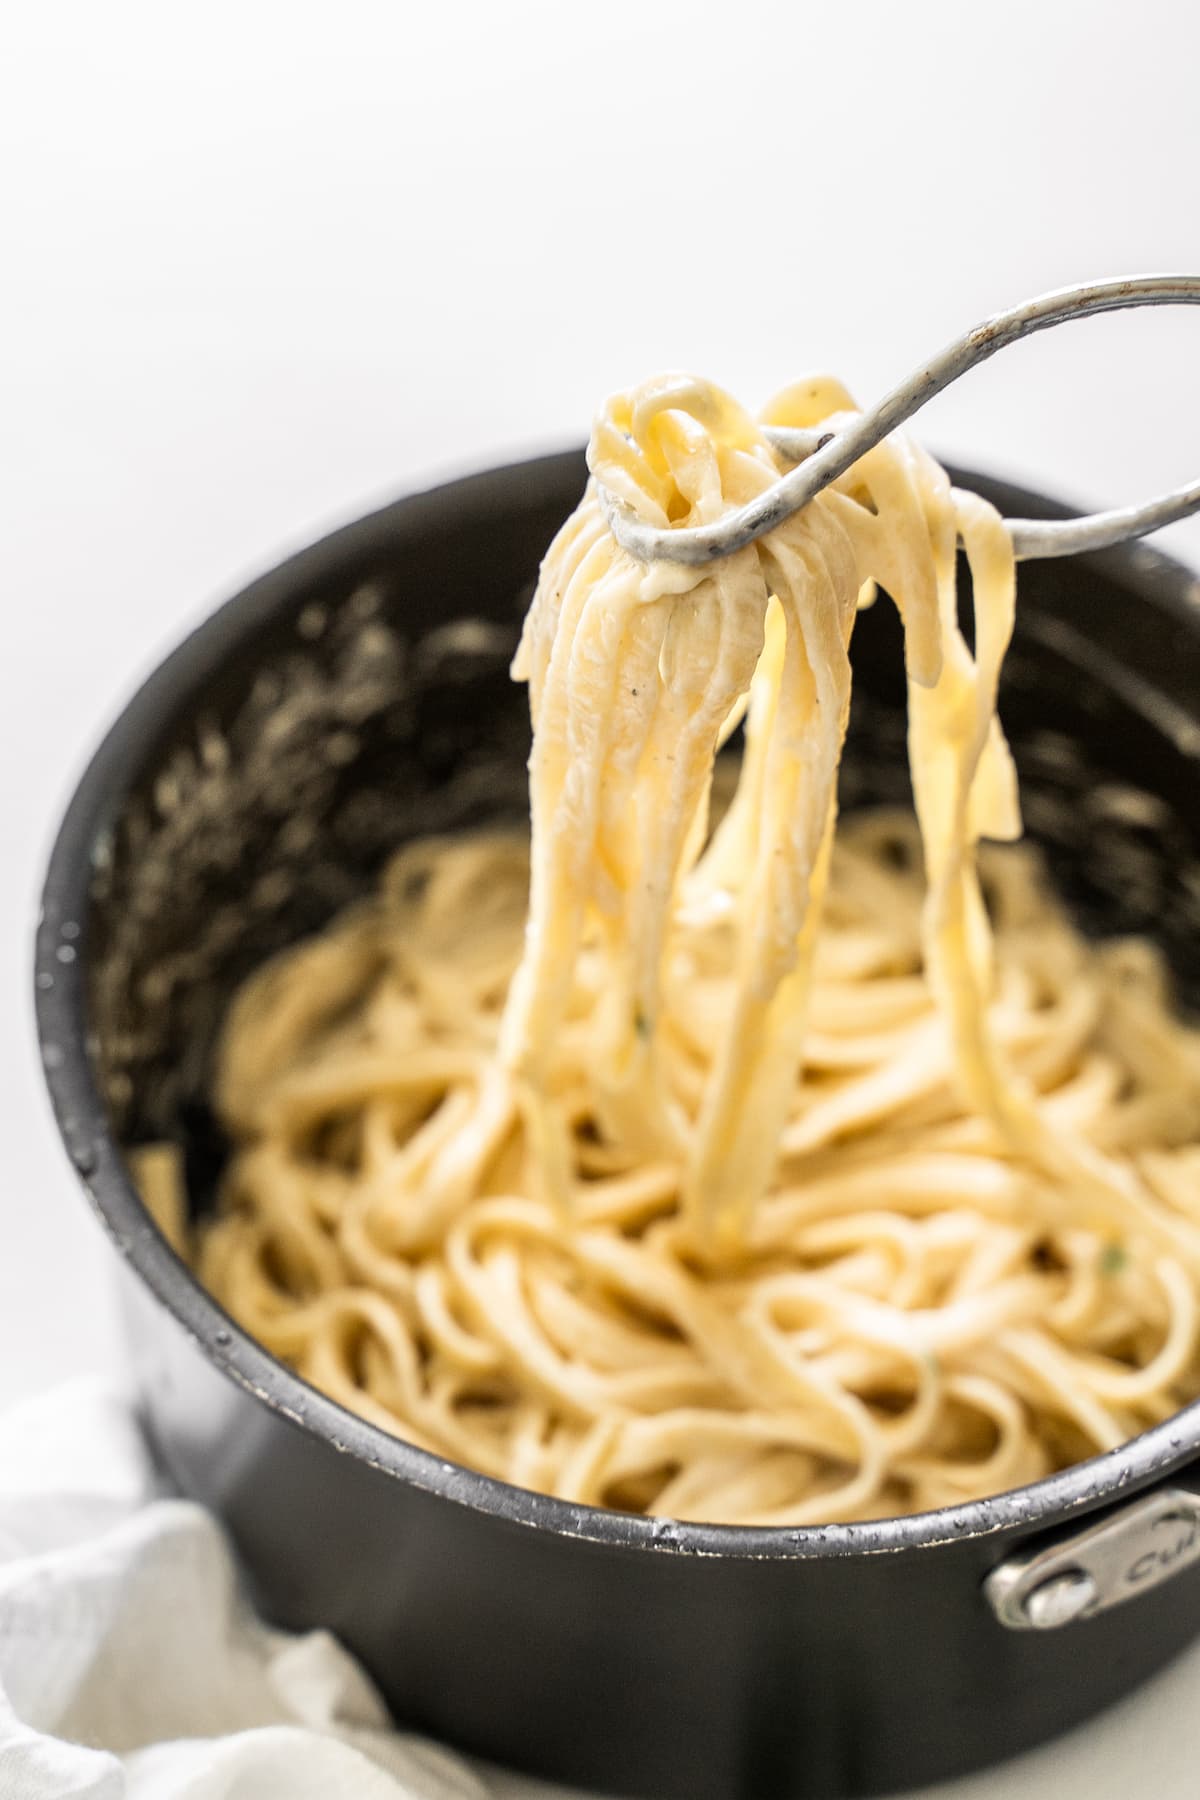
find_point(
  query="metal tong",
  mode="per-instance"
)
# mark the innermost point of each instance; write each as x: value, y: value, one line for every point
x: 821, y: 456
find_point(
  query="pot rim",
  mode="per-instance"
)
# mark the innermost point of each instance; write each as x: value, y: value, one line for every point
x: 80, y: 1113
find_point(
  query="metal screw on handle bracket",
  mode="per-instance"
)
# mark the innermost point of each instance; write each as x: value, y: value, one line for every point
x: 1063, y: 1598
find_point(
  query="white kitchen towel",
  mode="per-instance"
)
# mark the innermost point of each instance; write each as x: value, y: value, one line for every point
x: 131, y: 1667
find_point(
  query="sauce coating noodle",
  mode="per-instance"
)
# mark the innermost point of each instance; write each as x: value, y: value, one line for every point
x: 728, y: 1173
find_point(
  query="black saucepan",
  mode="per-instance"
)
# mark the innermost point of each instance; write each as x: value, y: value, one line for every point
x: 359, y: 694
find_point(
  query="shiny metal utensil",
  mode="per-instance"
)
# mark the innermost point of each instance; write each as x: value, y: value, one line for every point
x: 822, y: 456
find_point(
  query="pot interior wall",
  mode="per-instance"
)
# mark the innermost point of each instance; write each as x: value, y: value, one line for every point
x: 355, y: 701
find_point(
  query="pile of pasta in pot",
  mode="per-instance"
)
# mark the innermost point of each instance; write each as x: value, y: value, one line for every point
x: 685, y: 1156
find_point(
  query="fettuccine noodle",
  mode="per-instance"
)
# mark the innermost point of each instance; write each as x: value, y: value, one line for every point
x: 728, y: 1173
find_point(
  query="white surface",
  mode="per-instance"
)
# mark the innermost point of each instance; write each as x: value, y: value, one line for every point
x: 269, y: 262
x: 107, y: 1693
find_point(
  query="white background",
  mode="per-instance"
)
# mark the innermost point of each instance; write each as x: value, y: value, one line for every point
x: 265, y: 264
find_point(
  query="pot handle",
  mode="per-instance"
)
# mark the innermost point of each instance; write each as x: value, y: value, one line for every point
x: 1127, y: 1553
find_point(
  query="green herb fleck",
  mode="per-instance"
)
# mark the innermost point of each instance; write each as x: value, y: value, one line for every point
x: 1113, y: 1259
x: 641, y: 1024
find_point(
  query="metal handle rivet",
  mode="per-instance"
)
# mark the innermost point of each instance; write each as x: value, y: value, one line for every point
x: 1059, y: 1600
